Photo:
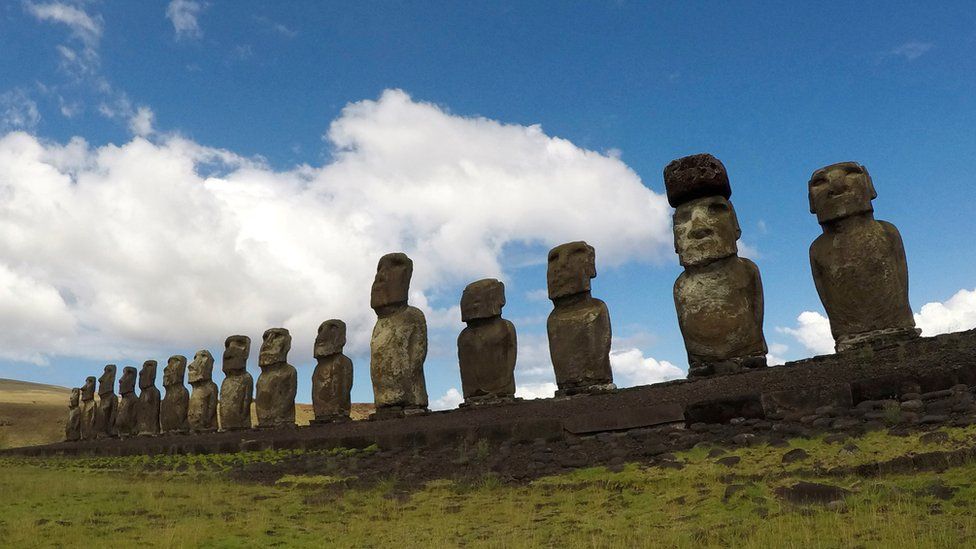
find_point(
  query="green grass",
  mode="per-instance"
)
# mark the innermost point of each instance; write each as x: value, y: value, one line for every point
x: 188, y: 501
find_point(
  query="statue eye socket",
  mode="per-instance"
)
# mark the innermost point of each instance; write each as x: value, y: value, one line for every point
x: 718, y: 208
x: 817, y: 181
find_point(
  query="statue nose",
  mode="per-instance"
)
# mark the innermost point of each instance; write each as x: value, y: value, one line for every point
x: 700, y: 232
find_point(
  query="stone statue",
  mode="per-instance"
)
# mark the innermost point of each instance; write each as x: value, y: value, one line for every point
x: 148, y: 419
x: 72, y: 429
x: 579, y: 325
x: 89, y: 411
x: 858, y: 263
x: 202, y: 411
x: 127, y: 415
x: 237, y: 389
x: 332, y: 378
x: 278, y: 382
x: 108, y: 404
x: 398, y: 348
x: 487, y: 346
x: 719, y: 296
x: 173, y: 408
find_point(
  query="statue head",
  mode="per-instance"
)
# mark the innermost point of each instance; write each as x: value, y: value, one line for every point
x: 88, y: 389
x: 106, y: 383
x: 236, y: 350
x: 482, y: 299
x: 695, y: 176
x: 174, y: 371
x: 127, y: 383
x: 201, y: 369
x: 570, y: 268
x: 74, y: 398
x: 392, y: 282
x: 840, y: 190
x: 274, y: 347
x: 705, y: 229
x: 330, y: 339
x: 147, y: 375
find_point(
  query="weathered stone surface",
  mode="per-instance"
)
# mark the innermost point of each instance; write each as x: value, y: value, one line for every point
x: 630, y: 418
x: 237, y: 389
x: 398, y: 347
x: 858, y: 263
x: 72, y: 428
x: 721, y: 410
x: 332, y: 378
x: 800, y: 402
x: 108, y: 404
x: 719, y: 296
x: 579, y: 324
x: 147, y: 422
x: 126, y: 417
x: 487, y: 347
x: 173, y: 408
x: 89, y: 410
x: 278, y: 382
x: 202, y: 411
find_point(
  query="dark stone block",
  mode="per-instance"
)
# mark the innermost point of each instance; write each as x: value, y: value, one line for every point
x: 618, y: 420
x: 796, y: 403
x: 723, y: 410
x: 880, y: 387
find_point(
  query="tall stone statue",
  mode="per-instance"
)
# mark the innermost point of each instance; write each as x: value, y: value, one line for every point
x: 579, y: 324
x: 149, y: 402
x: 398, y: 348
x: 108, y: 404
x: 89, y: 411
x: 858, y: 263
x: 202, y: 411
x: 127, y: 415
x: 487, y: 346
x: 332, y: 378
x: 719, y: 296
x: 278, y: 381
x: 72, y: 429
x: 237, y: 389
x: 173, y: 408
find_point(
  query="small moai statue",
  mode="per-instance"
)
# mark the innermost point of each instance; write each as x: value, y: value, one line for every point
x: 398, y: 347
x: 237, y: 389
x: 149, y: 403
x: 173, y: 408
x: 719, y: 296
x: 89, y: 410
x: 332, y: 378
x: 72, y: 429
x: 858, y: 263
x: 202, y: 410
x: 579, y: 324
x: 278, y: 382
x: 126, y: 417
x: 108, y: 403
x: 487, y: 347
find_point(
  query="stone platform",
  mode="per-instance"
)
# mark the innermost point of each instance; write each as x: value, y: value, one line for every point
x: 794, y: 390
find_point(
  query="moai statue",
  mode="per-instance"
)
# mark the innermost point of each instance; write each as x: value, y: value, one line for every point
x: 719, y: 296
x: 148, y: 417
x: 108, y: 404
x: 398, y: 346
x: 89, y: 411
x: 127, y: 415
x: 173, y: 408
x: 202, y: 411
x: 332, y: 378
x: 72, y: 429
x: 487, y: 346
x: 579, y: 325
x: 237, y: 389
x: 278, y: 381
x: 858, y: 263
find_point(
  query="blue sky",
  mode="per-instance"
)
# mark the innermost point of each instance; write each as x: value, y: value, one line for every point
x: 247, y: 93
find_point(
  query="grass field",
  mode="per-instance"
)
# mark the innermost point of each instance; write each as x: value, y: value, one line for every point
x: 188, y: 501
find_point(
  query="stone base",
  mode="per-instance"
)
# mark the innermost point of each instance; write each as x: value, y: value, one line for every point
x: 394, y: 412
x: 328, y: 420
x: 876, y: 339
x: 275, y: 426
x: 706, y: 368
x: 491, y: 400
x: 596, y: 389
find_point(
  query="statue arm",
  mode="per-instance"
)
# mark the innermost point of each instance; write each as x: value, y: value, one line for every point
x: 898, y: 253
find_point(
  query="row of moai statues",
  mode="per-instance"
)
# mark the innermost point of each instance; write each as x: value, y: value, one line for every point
x: 858, y: 265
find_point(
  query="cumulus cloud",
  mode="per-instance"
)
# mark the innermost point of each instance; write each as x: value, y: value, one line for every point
x: 183, y: 14
x: 530, y: 391
x: 141, y: 123
x: 631, y: 367
x: 448, y: 401
x: 18, y: 111
x: 146, y: 245
x: 956, y: 314
x: 812, y: 330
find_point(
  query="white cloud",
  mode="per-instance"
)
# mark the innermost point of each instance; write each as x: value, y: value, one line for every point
x: 183, y: 14
x: 81, y: 59
x: 18, y: 111
x: 535, y: 390
x: 911, y: 50
x: 539, y: 294
x: 171, y: 243
x: 631, y: 367
x: 141, y: 123
x: 447, y: 401
x: 777, y: 352
x: 956, y: 314
x: 813, y: 332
